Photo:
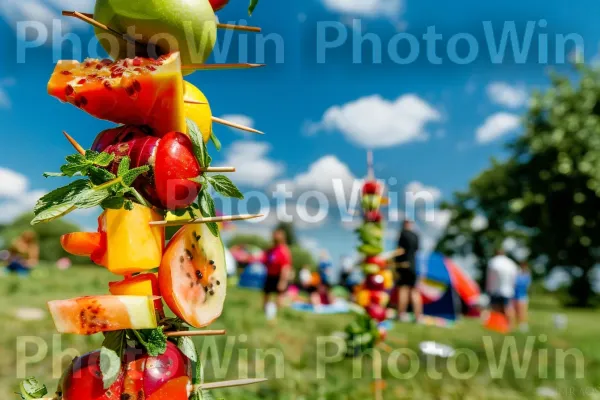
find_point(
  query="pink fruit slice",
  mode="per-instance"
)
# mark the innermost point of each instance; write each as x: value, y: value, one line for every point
x: 93, y: 314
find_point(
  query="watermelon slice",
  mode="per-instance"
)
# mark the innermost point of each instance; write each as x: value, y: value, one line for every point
x: 89, y: 315
x: 193, y: 275
x: 139, y: 91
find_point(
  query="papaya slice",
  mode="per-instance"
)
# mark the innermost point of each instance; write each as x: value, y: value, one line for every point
x: 93, y: 314
x: 139, y: 285
x: 138, y: 91
x: 193, y: 275
x: 81, y: 243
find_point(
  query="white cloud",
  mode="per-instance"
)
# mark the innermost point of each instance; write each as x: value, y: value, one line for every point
x: 13, y: 207
x: 241, y: 120
x: 366, y: 8
x: 5, y: 102
x: 506, y: 95
x: 253, y: 168
x: 374, y: 122
x: 496, y: 126
x: 44, y: 12
x: 12, y: 184
x: 321, y: 175
x: 418, y: 190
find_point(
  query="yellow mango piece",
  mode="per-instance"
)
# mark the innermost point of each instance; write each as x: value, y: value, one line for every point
x: 132, y: 244
x: 201, y: 114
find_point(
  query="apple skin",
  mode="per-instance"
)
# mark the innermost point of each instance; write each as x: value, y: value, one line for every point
x: 376, y: 312
x: 371, y: 187
x: 155, y: 21
x: 375, y: 282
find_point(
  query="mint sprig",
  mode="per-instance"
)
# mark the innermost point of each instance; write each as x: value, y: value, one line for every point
x: 200, y: 149
x: 252, y: 6
x: 153, y: 340
x: 224, y: 186
x: 101, y: 188
x: 207, y: 209
x: 110, y: 366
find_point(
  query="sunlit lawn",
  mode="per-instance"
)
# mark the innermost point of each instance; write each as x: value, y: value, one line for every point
x: 294, y: 340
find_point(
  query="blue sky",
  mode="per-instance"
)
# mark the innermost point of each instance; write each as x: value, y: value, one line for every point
x: 431, y: 126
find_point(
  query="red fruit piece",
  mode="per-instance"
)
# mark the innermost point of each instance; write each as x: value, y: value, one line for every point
x: 371, y: 187
x: 166, y: 367
x: 83, y: 380
x: 373, y: 216
x: 175, y: 165
x: 175, y: 389
x: 375, y: 282
x: 376, y: 312
x: 218, y: 4
x: 379, y: 261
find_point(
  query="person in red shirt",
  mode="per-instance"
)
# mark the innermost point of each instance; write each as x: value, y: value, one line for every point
x: 278, y: 261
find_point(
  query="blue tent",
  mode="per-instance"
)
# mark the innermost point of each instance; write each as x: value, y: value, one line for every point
x: 444, y: 286
x: 253, y: 277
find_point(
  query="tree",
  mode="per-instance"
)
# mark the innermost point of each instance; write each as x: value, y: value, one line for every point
x: 48, y: 235
x: 251, y: 240
x: 548, y: 191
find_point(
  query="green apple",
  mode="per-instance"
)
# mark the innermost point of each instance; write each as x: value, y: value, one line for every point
x: 160, y: 26
x: 371, y: 201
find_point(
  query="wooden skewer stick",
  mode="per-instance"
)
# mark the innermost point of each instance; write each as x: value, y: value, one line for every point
x: 236, y: 126
x: 220, y: 26
x: 219, y: 169
x: 224, y: 218
x: 196, y: 333
x: 89, y: 18
x: 74, y: 143
x: 190, y: 101
x: 213, y: 67
x: 226, y: 384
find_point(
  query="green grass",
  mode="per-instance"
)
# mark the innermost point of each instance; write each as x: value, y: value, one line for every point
x: 294, y: 337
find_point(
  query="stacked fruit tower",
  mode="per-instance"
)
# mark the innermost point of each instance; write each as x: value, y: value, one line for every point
x: 373, y: 294
x: 147, y: 173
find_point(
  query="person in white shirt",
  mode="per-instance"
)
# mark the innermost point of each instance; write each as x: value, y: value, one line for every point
x: 501, y: 279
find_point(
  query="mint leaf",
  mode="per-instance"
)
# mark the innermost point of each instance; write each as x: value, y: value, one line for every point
x: 31, y: 388
x: 200, y: 149
x: 215, y: 140
x: 52, y: 174
x: 115, y: 341
x: 52, y: 213
x: 91, y: 198
x: 224, y: 186
x: 110, y: 366
x: 252, y: 6
x: 130, y: 176
x: 99, y: 175
x: 186, y: 345
x: 113, y: 203
x: 154, y: 340
x: 99, y: 159
x: 124, y: 166
x: 207, y: 209
x: 128, y: 205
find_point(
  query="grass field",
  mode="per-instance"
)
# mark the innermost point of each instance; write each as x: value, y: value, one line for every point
x: 293, y: 340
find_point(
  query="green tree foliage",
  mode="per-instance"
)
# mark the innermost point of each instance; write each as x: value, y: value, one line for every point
x: 48, y: 235
x: 548, y: 191
x: 301, y: 257
x: 251, y: 240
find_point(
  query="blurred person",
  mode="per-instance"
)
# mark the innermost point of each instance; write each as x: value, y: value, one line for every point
x: 278, y: 260
x: 521, y: 299
x: 24, y: 253
x: 406, y: 272
x: 346, y: 269
x: 325, y: 268
x: 501, y: 280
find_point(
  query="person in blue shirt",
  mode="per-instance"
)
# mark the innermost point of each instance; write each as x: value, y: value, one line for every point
x: 521, y: 299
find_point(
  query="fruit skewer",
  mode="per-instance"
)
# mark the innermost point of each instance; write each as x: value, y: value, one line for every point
x: 129, y: 171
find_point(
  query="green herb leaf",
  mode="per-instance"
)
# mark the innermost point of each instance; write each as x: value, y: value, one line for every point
x: 99, y: 175
x: 130, y: 176
x: 207, y: 209
x: 31, y: 388
x: 110, y: 366
x: 198, y: 143
x: 187, y: 347
x: 115, y: 341
x: 154, y: 340
x: 252, y: 7
x: 113, y: 203
x: 59, y: 202
x: 53, y: 174
x: 124, y: 166
x: 99, y: 159
x: 215, y: 140
x: 224, y: 186
x: 128, y: 205
x: 91, y: 198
